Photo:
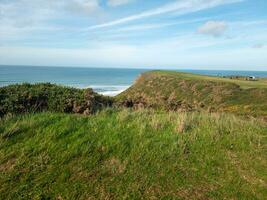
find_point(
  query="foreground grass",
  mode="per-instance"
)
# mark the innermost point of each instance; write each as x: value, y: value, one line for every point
x: 132, y: 155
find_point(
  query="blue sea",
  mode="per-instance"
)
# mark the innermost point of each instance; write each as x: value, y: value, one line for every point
x: 106, y: 81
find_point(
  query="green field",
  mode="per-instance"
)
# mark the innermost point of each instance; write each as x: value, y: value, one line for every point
x: 126, y: 154
x: 259, y: 83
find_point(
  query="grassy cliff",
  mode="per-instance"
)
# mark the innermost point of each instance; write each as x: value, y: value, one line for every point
x: 125, y: 154
x: 183, y: 91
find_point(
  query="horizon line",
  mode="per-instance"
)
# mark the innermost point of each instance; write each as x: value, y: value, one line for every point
x: 140, y: 68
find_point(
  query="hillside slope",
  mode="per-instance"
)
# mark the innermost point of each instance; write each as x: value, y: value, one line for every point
x: 132, y: 155
x: 183, y: 91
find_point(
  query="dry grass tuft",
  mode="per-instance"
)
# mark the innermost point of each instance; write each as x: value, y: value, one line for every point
x: 156, y: 123
x: 8, y: 166
x: 184, y: 123
x: 115, y: 166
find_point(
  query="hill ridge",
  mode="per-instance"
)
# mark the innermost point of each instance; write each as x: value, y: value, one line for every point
x: 184, y: 91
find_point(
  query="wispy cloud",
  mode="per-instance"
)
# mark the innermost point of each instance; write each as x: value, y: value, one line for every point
x: 149, y: 26
x: 179, y: 7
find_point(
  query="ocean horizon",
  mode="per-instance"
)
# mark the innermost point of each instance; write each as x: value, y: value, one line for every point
x: 106, y: 81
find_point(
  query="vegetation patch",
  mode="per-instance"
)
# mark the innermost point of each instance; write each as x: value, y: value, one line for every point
x: 48, y: 97
x: 127, y: 154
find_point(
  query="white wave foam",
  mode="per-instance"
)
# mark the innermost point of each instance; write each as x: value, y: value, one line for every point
x: 111, y: 93
x: 107, y: 90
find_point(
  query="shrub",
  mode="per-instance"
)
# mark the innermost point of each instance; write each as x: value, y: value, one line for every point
x: 49, y: 97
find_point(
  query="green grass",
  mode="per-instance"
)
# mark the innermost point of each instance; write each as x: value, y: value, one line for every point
x: 182, y: 91
x: 260, y: 83
x: 124, y: 154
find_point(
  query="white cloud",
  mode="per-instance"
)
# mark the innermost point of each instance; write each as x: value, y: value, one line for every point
x: 115, y: 3
x: 82, y: 6
x: 179, y: 7
x: 258, y: 46
x: 130, y: 56
x: 19, y: 18
x: 45, y: 8
x: 213, y: 28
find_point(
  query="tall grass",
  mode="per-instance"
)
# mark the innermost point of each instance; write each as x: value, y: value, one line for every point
x: 126, y: 154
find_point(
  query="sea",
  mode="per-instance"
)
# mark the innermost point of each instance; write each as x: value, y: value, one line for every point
x: 106, y: 81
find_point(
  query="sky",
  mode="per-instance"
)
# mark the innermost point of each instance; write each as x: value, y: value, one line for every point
x: 166, y: 34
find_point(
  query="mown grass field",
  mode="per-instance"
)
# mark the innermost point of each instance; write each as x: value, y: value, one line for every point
x: 127, y: 154
x: 259, y: 83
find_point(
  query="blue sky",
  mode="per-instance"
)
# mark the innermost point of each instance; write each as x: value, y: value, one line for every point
x: 192, y: 34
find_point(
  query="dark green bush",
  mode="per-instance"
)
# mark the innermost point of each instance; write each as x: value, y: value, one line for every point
x: 49, y: 97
